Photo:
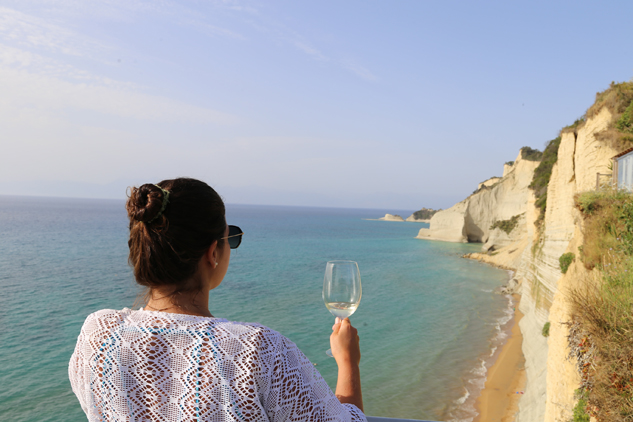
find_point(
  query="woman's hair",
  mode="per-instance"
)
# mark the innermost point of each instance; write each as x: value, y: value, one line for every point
x: 172, y: 224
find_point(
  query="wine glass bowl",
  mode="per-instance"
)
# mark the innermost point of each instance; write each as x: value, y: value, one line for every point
x: 342, y: 289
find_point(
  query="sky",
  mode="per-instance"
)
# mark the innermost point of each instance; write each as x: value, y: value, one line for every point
x: 364, y: 104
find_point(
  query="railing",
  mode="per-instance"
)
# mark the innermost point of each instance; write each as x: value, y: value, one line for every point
x: 378, y: 419
x: 598, y: 184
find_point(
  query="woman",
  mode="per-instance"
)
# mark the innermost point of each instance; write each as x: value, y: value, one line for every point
x: 173, y: 360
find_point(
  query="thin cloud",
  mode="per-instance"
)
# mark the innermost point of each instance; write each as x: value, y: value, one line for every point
x: 18, y: 59
x: 22, y: 89
x: 211, y: 30
x: 32, y: 32
x: 359, y: 70
x: 312, y: 52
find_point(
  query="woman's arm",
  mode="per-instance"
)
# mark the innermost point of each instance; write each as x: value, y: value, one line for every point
x: 293, y: 390
x: 346, y: 350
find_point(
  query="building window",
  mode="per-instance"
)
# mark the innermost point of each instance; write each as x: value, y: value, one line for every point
x: 624, y: 166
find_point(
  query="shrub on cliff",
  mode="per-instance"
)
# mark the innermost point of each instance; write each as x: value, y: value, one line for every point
x: 424, y: 214
x: 506, y: 225
x: 625, y: 122
x: 543, y: 173
x: 580, y: 410
x: 601, y: 308
x: 531, y: 154
x: 545, y: 330
x: 565, y: 261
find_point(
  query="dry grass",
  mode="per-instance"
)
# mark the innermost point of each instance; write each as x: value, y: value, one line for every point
x: 616, y: 98
x: 603, y: 223
x: 602, y: 335
x: 578, y: 123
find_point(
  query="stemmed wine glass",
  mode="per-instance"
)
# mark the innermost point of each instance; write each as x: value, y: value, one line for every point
x: 341, y: 289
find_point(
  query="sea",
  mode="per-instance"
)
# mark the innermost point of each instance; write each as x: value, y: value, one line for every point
x: 429, y: 321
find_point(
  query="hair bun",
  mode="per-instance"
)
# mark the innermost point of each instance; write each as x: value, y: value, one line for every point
x: 145, y: 203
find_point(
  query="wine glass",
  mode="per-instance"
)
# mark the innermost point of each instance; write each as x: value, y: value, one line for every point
x: 341, y: 289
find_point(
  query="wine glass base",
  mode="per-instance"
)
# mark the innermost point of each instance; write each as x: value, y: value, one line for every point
x: 329, y: 353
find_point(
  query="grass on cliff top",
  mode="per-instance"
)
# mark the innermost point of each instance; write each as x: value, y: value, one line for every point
x: 618, y: 98
x: 602, y: 308
x: 543, y: 173
x: 574, y: 126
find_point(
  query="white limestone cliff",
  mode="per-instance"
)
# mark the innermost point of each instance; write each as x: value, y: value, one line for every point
x: 534, y: 251
x: 488, y: 182
x: 470, y: 220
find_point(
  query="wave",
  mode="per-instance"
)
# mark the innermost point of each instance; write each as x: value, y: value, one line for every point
x: 475, y: 380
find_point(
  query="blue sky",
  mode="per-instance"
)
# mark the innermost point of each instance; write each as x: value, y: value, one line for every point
x: 378, y: 104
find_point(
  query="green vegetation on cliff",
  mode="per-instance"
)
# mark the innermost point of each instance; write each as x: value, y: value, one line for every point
x: 543, y: 173
x: 625, y: 123
x: 506, y: 225
x: 424, y: 214
x: 618, y: 99
x: 531, y: 154
x: 565, y: 261
x: 601, y: 333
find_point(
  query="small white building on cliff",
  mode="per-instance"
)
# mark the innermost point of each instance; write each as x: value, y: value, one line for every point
x: 623, y: 170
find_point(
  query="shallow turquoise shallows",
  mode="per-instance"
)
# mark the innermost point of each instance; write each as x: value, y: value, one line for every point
x: 428, y: 319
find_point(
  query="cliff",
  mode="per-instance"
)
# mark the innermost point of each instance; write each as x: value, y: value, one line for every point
x: 496, y: 200
x: 533, y: 249
x: 391, y: 217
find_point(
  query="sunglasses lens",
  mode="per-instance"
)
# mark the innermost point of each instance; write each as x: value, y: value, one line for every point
x: 235, y: 237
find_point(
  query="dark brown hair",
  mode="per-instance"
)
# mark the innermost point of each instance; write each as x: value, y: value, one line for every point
x: 165, y: 248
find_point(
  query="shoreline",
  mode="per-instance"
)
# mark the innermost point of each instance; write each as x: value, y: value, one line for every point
x: 505, y: 380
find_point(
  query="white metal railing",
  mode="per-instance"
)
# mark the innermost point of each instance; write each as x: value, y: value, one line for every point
x: 379, y: 419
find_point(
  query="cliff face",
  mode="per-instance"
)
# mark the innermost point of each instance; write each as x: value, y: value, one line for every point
x: 534, y: 253
x: 497, y: 199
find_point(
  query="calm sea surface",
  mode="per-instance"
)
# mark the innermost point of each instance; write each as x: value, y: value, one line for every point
x: 427, y: 320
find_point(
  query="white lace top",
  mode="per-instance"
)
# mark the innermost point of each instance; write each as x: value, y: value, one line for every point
x: 156, y: 366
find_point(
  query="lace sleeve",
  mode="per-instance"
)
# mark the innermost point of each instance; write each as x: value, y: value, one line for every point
x: 298, y: 392
x: 77, y: 367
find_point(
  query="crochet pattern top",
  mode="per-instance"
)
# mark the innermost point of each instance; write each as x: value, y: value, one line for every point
x: 156, y: 366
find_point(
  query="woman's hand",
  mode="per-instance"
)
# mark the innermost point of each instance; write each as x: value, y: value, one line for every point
x: 345, y: 346
x: 344, y: 342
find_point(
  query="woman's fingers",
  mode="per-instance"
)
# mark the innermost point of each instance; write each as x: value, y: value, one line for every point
x: 337, y: 324
x: 345, y: 342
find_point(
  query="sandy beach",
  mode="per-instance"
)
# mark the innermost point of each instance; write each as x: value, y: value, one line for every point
x: 499, y: 400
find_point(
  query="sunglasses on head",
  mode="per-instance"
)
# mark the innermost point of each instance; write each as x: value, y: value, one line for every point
x: 235, y: 237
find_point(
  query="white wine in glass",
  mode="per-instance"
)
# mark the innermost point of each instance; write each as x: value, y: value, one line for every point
x: 341, y: 289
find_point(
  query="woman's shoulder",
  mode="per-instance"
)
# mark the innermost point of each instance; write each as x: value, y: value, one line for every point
x: 111, y: 317
x: 250, y: 329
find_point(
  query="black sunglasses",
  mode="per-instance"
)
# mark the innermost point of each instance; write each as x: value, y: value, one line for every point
x: 234, y: 237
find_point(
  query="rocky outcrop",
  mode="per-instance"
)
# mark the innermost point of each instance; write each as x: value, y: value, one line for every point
x: 497, y: 199
x: 391, y: 217
x: 533, y: 250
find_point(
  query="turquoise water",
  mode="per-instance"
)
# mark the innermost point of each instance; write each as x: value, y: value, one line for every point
x: 427, y: 319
